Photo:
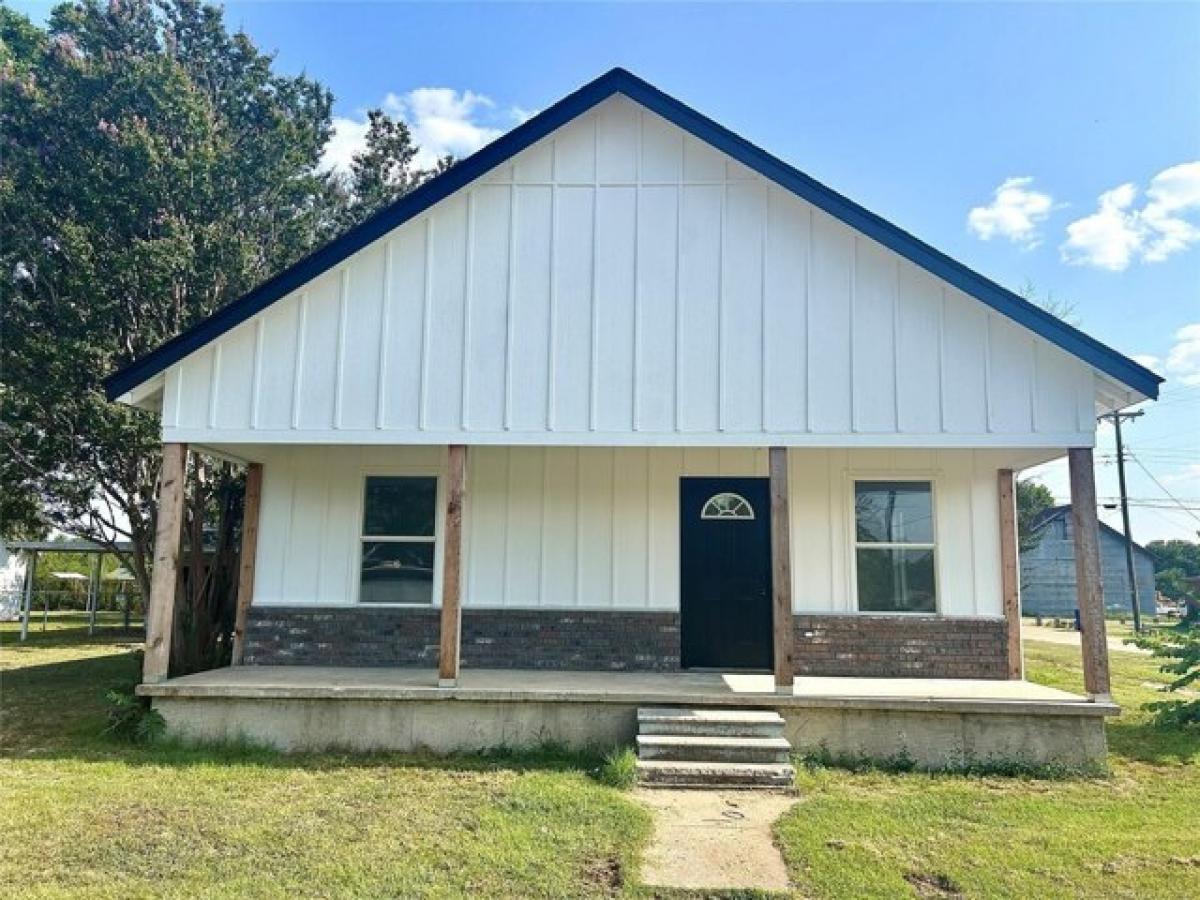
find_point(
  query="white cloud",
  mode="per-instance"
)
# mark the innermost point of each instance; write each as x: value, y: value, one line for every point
x: 1015, y: 212
x: 349, y: 137
x: 521, y: 115
x: 1120, y: 232
x: 442, y: 120
x: 1106, y: 239
x: 1149, y: 360
x: 1183, y: 359
x: 1174, y: 194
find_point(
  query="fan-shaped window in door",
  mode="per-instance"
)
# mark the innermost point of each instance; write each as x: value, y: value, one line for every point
x: 727, y: 506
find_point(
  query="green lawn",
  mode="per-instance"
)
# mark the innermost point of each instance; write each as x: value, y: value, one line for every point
x: 1129, y: 835
x: 82, y: 815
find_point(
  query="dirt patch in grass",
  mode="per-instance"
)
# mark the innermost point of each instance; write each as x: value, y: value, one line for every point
x: 933, y: 885
x: 606, y: 872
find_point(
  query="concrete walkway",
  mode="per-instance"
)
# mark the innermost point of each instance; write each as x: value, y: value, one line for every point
x: 1048, y: 635
x: 714, y: 840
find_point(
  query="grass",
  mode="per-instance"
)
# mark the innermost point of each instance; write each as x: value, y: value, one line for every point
x: 619, y: 768
x: 893, y: 834
x: 84, y: 815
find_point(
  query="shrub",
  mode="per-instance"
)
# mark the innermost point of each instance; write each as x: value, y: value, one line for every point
x: 130, y: 717
x: 1181, y: 646
x: 619, y: 768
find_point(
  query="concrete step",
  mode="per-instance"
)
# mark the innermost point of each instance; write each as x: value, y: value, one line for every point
x: 675, y: 774
x: 713, y: 748
x: 713, y: 722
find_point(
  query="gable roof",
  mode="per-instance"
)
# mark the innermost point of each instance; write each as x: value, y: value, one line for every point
x: 615, y: 81
x: 1046, y: 516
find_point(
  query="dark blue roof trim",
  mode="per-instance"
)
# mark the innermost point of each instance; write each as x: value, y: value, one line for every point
x: 570, y: 107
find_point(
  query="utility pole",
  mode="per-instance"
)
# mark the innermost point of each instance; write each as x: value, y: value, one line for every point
x: 1116, y: 418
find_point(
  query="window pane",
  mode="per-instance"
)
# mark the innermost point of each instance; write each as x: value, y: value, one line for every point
x: 891, y: 580
x: 400, y: 507
x: 894, y: 512
x: 397, y: 573
x: 727, y: 506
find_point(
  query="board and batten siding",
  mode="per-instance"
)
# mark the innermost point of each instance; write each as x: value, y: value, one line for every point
x: 598, y: 527
x: 622, y: 283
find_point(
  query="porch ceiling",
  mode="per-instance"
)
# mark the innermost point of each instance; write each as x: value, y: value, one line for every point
x: 1016, y: 458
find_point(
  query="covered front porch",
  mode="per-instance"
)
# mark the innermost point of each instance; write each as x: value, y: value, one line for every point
x: 586, y: 559
x: 506, y: 651
x: 934, y: 722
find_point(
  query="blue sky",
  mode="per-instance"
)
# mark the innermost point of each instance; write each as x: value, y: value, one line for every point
x: 919, y: 112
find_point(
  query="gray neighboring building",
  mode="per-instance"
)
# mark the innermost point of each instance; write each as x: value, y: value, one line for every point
x: 1048, y: 570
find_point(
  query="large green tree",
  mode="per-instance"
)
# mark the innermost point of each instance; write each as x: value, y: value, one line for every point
x: 1033, y: 499
x: 1177, y: 571
x: 155, y: 166
x: 384, y: 169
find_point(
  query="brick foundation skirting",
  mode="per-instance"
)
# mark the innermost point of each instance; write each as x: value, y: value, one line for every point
x: 603, y: 640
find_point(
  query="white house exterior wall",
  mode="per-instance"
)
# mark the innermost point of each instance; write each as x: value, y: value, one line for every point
x: 598, y: 528
x: 621, y: 283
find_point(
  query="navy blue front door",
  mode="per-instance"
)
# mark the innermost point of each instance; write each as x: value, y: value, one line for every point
x: 725, y: 577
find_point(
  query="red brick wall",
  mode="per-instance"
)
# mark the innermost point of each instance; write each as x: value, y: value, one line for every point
x: 598, y: 640
x: 491, y: 638
x: 903, y: 646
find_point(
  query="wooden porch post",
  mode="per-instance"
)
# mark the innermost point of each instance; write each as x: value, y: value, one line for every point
x: 1088, y: 586
x: 160, y: 611
x: 1010, y: 579
x: 451, y: 635
x: 781, y: 571
x: 246, y: 558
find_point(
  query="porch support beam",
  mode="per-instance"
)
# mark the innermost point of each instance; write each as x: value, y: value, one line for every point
x: 160, y: 611
x: 449, y: 654
x: 246, y: 559
x: 1088, y: 586
x: 781, y: 571
x: 1010, y: 579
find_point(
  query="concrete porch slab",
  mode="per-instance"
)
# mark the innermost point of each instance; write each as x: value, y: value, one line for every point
x: 935, y: 722
x: 625, y: 688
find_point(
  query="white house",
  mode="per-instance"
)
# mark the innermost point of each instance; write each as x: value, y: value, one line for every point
x: 624, y: 393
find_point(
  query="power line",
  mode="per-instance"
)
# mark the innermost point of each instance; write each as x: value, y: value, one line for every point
x: 1150, y: 474
x: 1185, y: 455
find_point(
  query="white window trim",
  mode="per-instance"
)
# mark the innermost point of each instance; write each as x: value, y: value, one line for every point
x: 852, y: 543
x: 354, y: 588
